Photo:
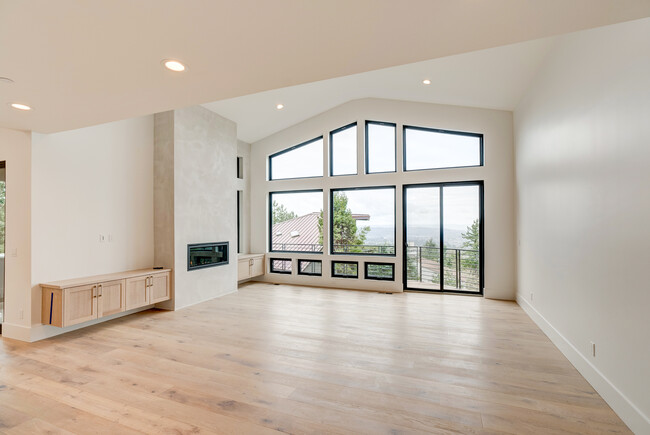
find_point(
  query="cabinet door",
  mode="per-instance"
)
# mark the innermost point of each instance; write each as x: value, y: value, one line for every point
x: 257, y: 268
x: 137, y: 292
x: 110, y: 299
x: 159, y: 288
x: 243, y: 269
x: 80, y: 304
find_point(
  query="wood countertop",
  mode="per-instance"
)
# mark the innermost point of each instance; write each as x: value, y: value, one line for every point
x: 101, y: 278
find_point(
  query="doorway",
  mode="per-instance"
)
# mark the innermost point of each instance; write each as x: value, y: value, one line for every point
x: 443, y: 237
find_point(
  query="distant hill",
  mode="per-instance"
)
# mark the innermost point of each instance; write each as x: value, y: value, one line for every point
x: 417, y: 236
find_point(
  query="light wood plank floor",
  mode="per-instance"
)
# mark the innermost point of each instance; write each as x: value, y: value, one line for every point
x: 303, y: 360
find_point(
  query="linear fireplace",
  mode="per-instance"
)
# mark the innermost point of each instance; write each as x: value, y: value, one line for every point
x: 201, y: 255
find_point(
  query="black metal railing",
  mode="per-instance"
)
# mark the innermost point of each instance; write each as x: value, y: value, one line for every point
x: 461, y: 267
x: 340, y: 249
x: 298, y: 247
x: 364, y: 249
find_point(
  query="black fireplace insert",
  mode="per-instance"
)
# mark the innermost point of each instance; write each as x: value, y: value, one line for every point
x: 201, y: 255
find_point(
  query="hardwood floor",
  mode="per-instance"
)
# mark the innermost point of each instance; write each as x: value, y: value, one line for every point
x: 303, y: 360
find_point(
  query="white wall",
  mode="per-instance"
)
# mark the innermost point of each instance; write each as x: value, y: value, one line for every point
x: 498, y: 175
x: 87, y: 182
x: 15, y: 149
x: 583, y: 178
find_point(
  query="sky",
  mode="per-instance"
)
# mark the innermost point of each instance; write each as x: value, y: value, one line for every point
x: 429, y: 149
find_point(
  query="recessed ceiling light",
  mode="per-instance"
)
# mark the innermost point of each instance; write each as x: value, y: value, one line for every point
x: 20, y: 106
x: 426, y: 82
x: 173, y: 65
x: 5, y: 80
x: 280, y: 106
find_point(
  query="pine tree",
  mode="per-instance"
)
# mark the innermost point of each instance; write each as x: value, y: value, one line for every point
x: 344, y: 226
x: 281, y: 214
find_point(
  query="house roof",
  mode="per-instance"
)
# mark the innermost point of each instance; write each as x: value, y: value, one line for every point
x: 298, y: 234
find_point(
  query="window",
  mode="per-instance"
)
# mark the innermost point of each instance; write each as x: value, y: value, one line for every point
x: 362, y: 221
x: 295, y: 221
x: 240, y: 168
x: 310, y: 267
x: 239, y: 219
x: 426, y: 148
x: 380, y: 147
x: 382, y: 271
x: 301, y: 161
x: 343, y: 151
x: 281, y: 265
x: 345, y: 269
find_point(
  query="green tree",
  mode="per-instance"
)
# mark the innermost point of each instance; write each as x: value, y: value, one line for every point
x: 469, y: 259
x: 344, y: 226
x: 281, y: 214
x: 471, y: 236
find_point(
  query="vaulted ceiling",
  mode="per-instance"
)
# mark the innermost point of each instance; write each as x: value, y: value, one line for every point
x: 79, y: 63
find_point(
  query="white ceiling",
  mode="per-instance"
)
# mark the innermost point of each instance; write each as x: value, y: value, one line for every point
x: 495, y: 78
x: 79, y: 63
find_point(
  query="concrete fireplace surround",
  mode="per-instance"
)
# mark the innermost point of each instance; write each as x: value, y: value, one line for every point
x: 195, y: 152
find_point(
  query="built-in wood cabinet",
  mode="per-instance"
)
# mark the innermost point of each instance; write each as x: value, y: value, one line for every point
x: 67, y: 303
x: 250, y: 266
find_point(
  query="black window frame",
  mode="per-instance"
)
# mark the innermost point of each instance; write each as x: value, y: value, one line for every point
x: 438, y: 130
x: 481, y: 186
x: 287, y: 150
x: 366, y: 151
x: 335, y: 262
x: 301, y: 260
x: 270, y: 227
x: 331, y: 150
x: 282, y: 272
x: 331, y: 220
x: 372, y: 263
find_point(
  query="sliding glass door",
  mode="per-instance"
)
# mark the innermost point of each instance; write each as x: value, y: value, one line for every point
x: 443, y: 240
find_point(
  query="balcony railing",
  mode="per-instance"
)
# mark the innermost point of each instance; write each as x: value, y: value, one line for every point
x: 461, y: 267
x: 339, y: 249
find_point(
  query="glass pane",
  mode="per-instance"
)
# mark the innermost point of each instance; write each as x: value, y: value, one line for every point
x: 423, y: 237
x: 280, y: 265
x: 381, y: 147
x: 307, y: 267
x: 297, y: 221
x: 346, y: 270
x: 344, y: 151
x: 304, y: 161
x: 430, y: 149
x: 462, y: 238
x: 363, y: 221
x: 380, y: 271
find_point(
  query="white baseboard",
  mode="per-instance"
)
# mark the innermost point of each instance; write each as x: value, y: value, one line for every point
x: 628, y: 411
x: 16, y: 332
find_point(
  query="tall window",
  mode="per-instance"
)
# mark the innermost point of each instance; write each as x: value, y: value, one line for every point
x: 296, y: 221
x: 380, y: 147
x: 363, y: 221
x: 343, y: 150
x: 426, y: 148
x: 301, y: 161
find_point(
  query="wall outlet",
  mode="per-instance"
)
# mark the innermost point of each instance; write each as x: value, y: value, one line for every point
x: 592, y: 349
x: 102, y: 238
